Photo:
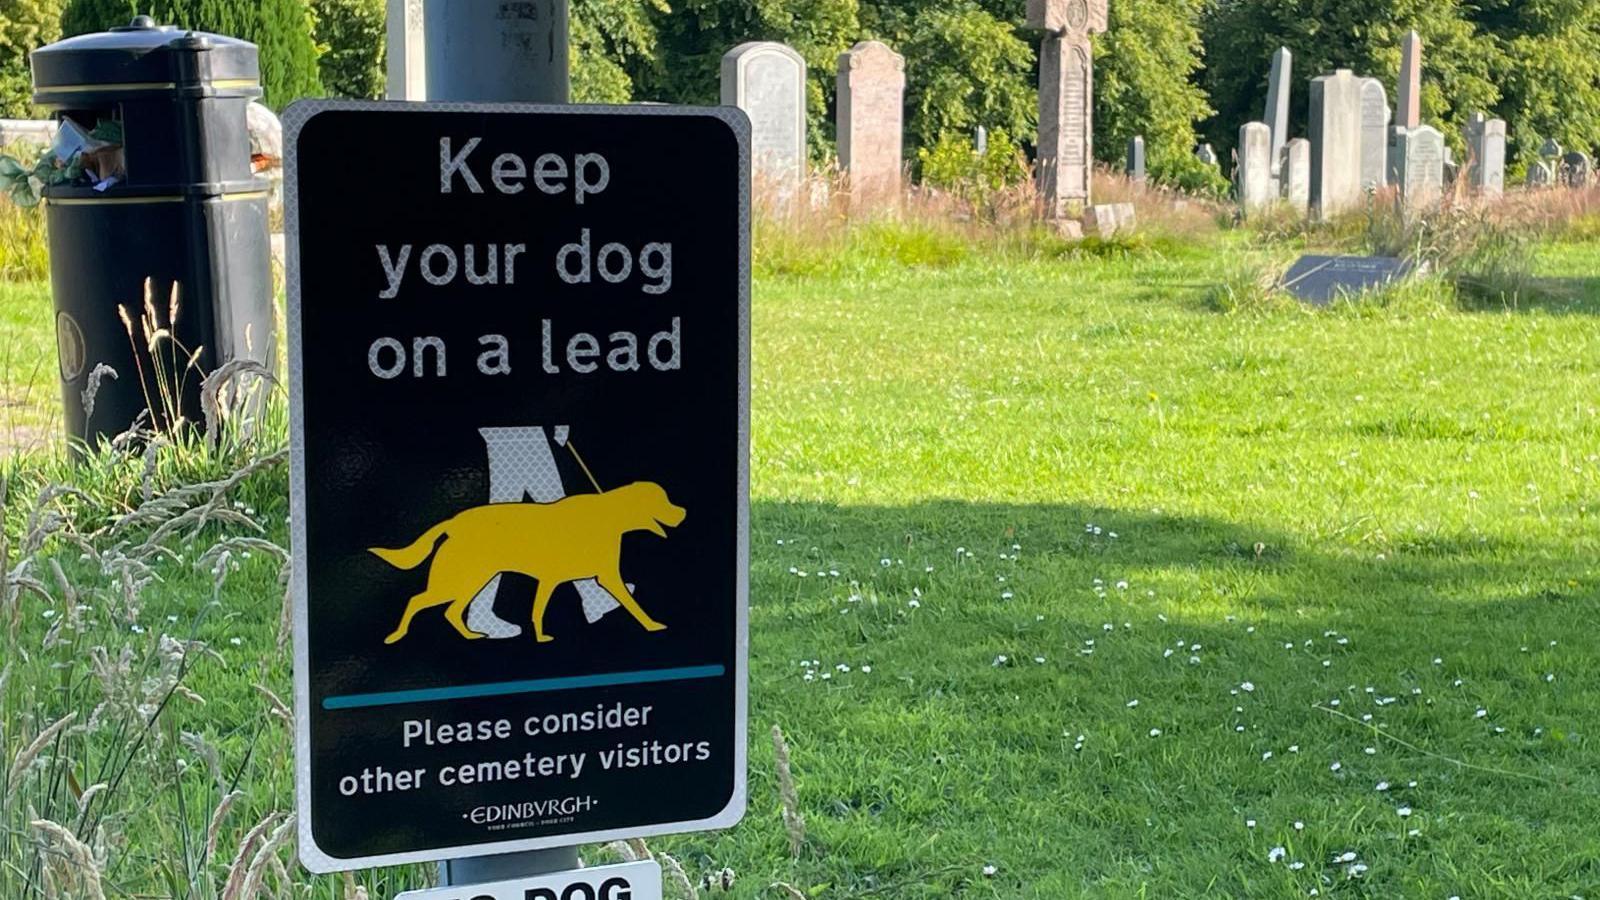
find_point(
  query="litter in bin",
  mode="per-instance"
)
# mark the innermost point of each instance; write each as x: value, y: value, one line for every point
x: 82, y: 157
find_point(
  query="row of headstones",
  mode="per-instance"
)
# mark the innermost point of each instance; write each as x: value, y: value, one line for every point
x: 768, y: 81
x: 1555, y: 168
x: 1355, y: 145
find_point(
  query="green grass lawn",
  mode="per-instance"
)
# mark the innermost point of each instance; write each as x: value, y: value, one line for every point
x: 1065, y: 585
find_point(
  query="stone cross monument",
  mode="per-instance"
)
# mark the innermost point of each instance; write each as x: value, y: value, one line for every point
x: 1066, y: 101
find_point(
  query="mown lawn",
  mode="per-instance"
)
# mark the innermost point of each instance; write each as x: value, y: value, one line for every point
x: 1065, y: 585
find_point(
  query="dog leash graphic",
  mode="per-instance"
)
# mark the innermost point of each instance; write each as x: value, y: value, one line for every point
x: 583, y: 465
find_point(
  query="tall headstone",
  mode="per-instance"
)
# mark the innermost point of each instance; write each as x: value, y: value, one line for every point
x: 768, y: 81
x: 1066, y: 100
x: 1550, y: 150
x: 1409, y: 97
x: 406, y: 52
x: 1335, y: 143
x: 1420, y: 158
x: 1278, y: 90
x: 1255, y: 167
x: 872, y: 84
x: 1297, y: 175
x: 1136, y: 167
x: 1375, y: 117
x: 1486, y: 148
x: 980, y: 140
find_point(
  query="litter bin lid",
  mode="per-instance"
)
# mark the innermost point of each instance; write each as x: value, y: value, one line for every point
x: 142, y: 57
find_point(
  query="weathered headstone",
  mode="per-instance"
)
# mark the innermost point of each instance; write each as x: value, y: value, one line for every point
x: 980, y: 140
x: 1108, y: 219
x: 1420, y: 159
x: 1335, y: 143
x: 1320, y: 280
x: 1486, y: 148
x: 1550, y: 150
x: 406, y: 53
x: 1066, y: 101
x: 872, y: 84
x: 1375, y: 117
x: 1255, y: 167
x: 1541, y: 174
x: 1297, y: 175
x: 768, y: 81
x: 1278, y: 90
x: 1207, y: 154
x: 1136, y: 168
x: 1452, y: 169
x: 1409, y: 97
x: 1576, y: 170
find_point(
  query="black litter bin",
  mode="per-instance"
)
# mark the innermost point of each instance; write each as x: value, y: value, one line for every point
x: 188, y: 211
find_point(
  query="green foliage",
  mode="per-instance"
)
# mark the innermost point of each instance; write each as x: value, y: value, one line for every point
x: 25, y: 25
x: 608, y: 36
x: 966, y: 68
x: 24, y: 251
x: 1144, y: 84
x: 351, y: 35
x: 954, y: 165
x: 281, y: 28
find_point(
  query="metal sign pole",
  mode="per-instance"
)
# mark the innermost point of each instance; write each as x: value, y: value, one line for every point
x: 505, y: 51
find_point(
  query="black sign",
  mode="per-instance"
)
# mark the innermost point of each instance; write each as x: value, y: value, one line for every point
x: 519, y: 398
x: 1320, y: 280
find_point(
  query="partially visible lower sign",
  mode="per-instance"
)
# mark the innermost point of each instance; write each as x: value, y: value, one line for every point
x: 629, y: 881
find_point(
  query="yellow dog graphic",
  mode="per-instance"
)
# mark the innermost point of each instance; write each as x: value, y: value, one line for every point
x: 571, y: 539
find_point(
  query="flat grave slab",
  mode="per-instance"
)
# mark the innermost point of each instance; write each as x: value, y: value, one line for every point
x: 1320, y: 280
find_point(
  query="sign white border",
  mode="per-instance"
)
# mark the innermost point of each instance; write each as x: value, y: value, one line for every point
x: 312, y: 857
x: 643, y: 877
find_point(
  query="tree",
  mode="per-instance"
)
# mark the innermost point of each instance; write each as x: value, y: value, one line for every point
x: 1145, y: 68
x: 282, y: 30
x: 964, y: 68
x: 25, y: 25
x: 608, y: 37
x: 351, y: 35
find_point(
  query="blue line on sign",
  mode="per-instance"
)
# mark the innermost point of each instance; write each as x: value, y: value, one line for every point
x: 534, y: 686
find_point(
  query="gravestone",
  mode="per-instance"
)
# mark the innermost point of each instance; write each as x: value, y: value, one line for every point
x: 872, y: 84
x: 1335, y: 143
x: 1108, y: 219
x: 1486, y: 148
x: 1375, y: 117
x: 1297, y: 175
x: 1420, y: 160
x: 406, y: 56
x: 1278, y: 90
x: 1541, y: 174
x: 1207, y: 154
x: 1066, y: 101
x: 1409, y: 98
x: 1550, y: 151
x: 980, y: 140
x: 1255, y: 167
x: 1320, y: 280
x: 1136, y: 169
x: 1576, y: 170
x: 768, y: 81
x: 1452, y: 169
